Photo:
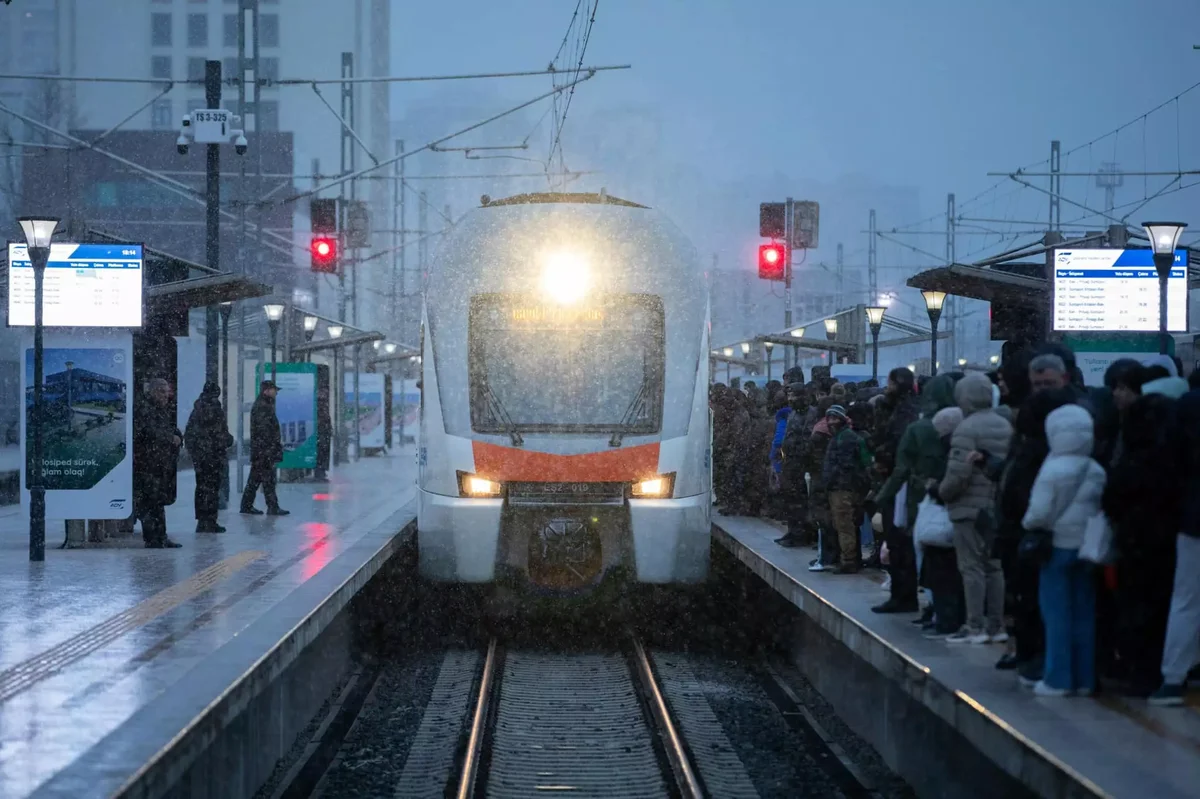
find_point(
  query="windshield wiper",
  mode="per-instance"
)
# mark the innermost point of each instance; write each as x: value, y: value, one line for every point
x: 498, y: 412
x: 635, y: 409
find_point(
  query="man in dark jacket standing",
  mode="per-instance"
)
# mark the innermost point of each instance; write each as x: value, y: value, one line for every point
x: 207, y: 439
x: 266, y: 450
x: 156, y: 442
x: 898, y: 410
x: 845, y: 477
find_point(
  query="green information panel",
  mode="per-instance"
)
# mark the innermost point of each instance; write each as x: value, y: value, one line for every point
x: 296, y: 408
x: 1094, y: 353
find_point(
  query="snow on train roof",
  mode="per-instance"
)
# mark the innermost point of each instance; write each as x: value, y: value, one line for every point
x: 559, y: 197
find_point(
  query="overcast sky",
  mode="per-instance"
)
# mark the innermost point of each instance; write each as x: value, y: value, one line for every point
x: 856, y: 104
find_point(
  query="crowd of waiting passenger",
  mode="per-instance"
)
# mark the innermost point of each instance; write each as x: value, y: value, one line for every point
x: 1059, y: 520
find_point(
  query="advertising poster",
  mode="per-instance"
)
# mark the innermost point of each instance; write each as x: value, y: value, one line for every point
x: 87, y: 424
x: 296, y: 408
x: 406, y: 410
x: 370, y: 409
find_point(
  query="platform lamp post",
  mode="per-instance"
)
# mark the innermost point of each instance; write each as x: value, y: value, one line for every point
x: 796, y: 333
x: 728, y: 352
x: 768, y: 346
x: 38, y: 232
x: 934, y: 300
x: 310, y: 323
x: 335, y: 390
x: 274, y: 313
x: 226, y: 310
x: 875, y: 320
x: 1164, y: 238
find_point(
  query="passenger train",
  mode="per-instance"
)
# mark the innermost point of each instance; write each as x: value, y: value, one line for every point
x: 565, y: 426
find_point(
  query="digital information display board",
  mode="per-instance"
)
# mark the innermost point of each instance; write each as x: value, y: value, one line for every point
x: 86, y: 285
x: 1116, y: 291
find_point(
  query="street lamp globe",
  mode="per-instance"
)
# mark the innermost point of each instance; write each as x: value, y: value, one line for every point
x: 389, y: 348
x: 1164, y: 236
x: 993, y: 360
x: 38, y: 229
x: 376, y: 344
x: 745, y: 348
x: 934, y: 300
x: 335, y: 331
x: 875, y: 315
x: 831, y: 326
x: 769, y: 345
x: 274, y: 311
x: 798, y: 332
x: 962, y: 361
x: 310, y: 323
x: 729, y: 352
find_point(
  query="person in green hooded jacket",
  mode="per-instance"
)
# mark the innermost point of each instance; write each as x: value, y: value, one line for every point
x: 920, y: 457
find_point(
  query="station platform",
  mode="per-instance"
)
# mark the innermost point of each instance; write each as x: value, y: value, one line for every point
x: 110, y: 655
x: 897, y: 686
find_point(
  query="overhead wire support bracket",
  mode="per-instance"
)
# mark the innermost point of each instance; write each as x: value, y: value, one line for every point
x: 475, y: 126
x: 345, y: 124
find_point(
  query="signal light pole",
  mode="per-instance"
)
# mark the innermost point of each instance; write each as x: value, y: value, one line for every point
x: 787, y: 266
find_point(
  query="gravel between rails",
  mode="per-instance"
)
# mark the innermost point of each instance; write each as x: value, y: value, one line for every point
x: 777, y: 761
x: 373, y: 755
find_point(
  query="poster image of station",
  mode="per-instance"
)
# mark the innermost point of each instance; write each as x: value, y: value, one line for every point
x: 87, y: 426
x: 296, y: 409
x: 370, y: 409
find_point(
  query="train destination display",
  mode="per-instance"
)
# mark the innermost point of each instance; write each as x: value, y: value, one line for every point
x: 85, y: 285
x: 1116, y: 291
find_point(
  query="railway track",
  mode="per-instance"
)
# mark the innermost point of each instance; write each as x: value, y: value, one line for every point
x: 585, y: 724
x: 615, y: 720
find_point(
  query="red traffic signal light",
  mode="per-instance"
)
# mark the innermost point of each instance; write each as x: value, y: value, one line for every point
x: 772, y: 261
x: 324, y: 254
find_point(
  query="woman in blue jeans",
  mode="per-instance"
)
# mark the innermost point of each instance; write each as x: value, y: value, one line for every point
x: 1066, y: 494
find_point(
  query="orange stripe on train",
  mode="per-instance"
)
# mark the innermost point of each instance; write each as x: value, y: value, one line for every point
x: 508, y: 464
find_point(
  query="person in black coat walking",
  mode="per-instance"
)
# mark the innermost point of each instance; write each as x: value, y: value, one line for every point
x: 156, y: 444
x: 266, y: 451
x: 208, y: 441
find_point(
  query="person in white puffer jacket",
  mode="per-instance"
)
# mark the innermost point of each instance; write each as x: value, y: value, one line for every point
x: 1066, y: 494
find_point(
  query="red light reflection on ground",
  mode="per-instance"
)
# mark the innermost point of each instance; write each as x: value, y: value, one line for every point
x: 317, y: 535
x: 323, y: 497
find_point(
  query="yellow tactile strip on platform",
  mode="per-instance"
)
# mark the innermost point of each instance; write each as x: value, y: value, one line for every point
x: 24, y: 675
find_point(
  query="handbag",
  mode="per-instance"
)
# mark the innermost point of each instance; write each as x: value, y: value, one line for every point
x: 933, y: 527
x: 1097, y: 540
x: 1038, y: 545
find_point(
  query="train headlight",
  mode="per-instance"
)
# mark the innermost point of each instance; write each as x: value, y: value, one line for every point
x: 472, y: 485
x: 661, y: 487
x: 566, y: 277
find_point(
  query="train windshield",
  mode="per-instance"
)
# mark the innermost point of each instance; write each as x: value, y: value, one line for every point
x: 590, y: 368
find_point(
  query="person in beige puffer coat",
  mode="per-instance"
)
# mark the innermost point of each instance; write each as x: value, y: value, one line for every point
x: 969, y: 495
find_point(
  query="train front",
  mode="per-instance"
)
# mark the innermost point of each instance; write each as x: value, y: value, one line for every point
x: 565, y: 422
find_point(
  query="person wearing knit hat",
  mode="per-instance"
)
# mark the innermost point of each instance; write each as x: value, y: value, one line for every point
x: 845, y: 475
x: 837, y: 411
x: 946, y: 420
x: 838, y: 392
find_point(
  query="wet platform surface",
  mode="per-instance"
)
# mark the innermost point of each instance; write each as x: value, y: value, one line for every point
x: 93, y: 637
x: 1108, y: 746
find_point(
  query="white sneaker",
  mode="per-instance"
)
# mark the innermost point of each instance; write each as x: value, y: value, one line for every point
x: 1041, y: 689
x: 999, y: 638
x: 817, y: 566
x: 886, y: 585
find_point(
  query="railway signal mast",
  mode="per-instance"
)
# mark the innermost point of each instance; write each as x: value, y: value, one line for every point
x: 791, y: 226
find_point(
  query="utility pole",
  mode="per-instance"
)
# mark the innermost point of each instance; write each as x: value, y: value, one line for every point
x: 951, y: 301
x: 789, y: 228
x: 397, y: 281
x: 872, y: 267
x: 1109, y: 178
x: 422, y: 231
x: 212, y: 219
x: 1055, y: 188
x: 350, y: 187
x: 841, y: 277
x: 402, y: 188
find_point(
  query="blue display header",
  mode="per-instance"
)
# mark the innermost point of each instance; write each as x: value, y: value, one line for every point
x: 1146, y: 258
x: 1116, y: 273
x: 83, y: 256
